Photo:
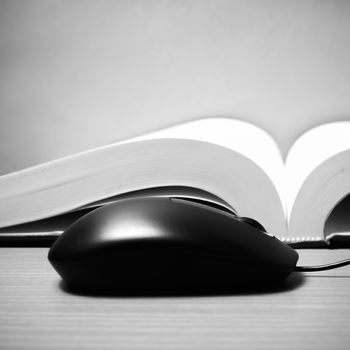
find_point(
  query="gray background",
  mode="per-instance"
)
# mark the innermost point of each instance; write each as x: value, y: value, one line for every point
x: 78, y: 74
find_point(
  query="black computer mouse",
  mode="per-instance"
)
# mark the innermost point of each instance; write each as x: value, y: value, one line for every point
x: 167, y: 244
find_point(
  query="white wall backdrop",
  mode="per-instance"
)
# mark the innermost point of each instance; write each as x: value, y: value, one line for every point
x: 77, y: 74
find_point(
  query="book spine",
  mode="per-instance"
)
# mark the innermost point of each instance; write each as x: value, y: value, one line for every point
x: 334, y: 240
x: 306, y: 242
x: 29, y: 239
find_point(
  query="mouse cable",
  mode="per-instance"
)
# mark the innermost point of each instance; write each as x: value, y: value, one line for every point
x: 323, y: 267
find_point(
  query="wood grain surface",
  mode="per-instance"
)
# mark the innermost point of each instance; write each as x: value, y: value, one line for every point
x: 312, y: 311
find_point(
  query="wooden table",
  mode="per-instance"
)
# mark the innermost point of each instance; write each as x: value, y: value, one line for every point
x: 312, y: 311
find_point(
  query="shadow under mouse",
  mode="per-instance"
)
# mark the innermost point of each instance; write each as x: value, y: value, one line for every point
x: 236, y: 288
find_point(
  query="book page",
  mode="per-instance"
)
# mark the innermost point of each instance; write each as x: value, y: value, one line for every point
x: 73, y: 182
x: 311, y: 150
x: 245, y: 138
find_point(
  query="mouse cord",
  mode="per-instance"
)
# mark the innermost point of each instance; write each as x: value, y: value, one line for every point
x: 323, y: 267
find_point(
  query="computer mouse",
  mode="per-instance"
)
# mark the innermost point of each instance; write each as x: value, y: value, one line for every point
x: 162, y: 244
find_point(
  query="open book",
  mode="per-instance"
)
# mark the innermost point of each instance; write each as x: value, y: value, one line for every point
x: 231, y: 159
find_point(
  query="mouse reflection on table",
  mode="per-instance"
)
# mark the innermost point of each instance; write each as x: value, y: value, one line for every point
x: 156, y: 245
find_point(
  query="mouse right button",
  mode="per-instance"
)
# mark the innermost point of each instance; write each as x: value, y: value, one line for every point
x: 252, y: 222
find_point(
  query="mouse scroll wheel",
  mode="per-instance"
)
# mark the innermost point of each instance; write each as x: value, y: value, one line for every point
x: 251, y: 222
